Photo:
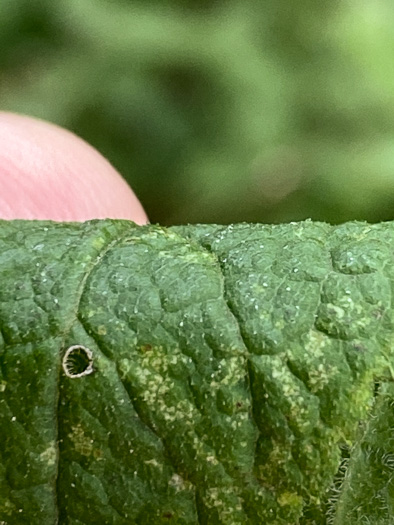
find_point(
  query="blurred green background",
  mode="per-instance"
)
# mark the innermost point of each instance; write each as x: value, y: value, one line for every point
x: 221, y: 110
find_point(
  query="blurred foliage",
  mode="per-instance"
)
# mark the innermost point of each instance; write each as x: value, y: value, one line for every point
x: 220, y: 110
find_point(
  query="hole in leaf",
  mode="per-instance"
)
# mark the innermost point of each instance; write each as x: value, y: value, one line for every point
x: 77, y: 361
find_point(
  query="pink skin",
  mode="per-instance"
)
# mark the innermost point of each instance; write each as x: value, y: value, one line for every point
x: 47, y: 172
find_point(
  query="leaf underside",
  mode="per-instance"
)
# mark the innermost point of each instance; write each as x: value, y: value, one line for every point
x: 240, y: 374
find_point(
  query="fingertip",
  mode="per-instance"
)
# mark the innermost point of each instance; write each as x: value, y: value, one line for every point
x: 47, y: 172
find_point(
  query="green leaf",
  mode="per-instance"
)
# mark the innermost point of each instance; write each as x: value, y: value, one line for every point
x: 367, y: 492
x: 195, y: 374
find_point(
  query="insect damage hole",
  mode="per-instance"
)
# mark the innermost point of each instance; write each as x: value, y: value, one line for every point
x: 77, y: 361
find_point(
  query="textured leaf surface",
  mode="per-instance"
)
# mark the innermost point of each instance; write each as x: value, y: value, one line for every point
x: 241, y: 374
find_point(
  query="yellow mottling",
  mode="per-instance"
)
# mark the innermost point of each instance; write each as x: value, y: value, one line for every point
x: 179, y: 483
x: 218, y: 498
x: 7, y: 508
x: 317, y: 341
x: 49, y: 455
x: 235, y: 370
x: 98, y: 243
x: 339, y: 312
x: 82, y: 443
x: 101, y: 330
x: 3, y: 386
x: 290, y: 498
x: 154, y: 463
x: 213, y: 460
x: 320, y: 377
